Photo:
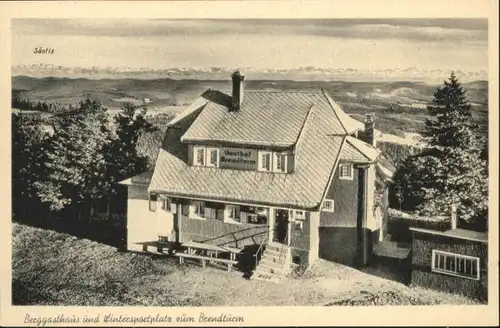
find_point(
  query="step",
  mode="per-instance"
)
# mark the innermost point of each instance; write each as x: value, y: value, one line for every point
x: 270, y: 261
x: 273, y: 252
x: 276, y: 258
x: 271, y: 267
x: 276, y: 247
x: 266, y: 276
x: 263, y: 278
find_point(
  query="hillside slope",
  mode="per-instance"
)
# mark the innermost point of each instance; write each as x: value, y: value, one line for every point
x: 51, y: 268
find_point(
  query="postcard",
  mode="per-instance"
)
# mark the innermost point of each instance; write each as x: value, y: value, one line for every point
x: 250, y: 163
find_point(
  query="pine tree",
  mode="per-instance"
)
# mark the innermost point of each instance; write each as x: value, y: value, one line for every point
x: 28, y: 140
x: 124, y: 158
x: 76, y: 163
x: 453, y: 170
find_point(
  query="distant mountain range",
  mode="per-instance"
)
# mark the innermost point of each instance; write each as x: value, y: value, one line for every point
x: 435, y: 76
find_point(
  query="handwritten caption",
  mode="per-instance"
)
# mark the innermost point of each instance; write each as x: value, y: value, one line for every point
x: 158, y: 318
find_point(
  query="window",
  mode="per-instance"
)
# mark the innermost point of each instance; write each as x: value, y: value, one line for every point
x: 213, y: 157
x: 264, y: 161
x: 455, y: 264
x: 198, y: 209
x: 298, y: 225
x: 153, y: 199
x: 327, y: 205
x: 254, y: 214
x: 280, y: 162
x: 233, y: 212
x: 199, y: 156
x: 346, y: 171
x: 165, y: 203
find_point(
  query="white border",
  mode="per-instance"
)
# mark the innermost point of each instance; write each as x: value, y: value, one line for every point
x: 465, y: 315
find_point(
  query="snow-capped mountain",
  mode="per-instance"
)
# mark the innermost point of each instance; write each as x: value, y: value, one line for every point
x: 434, y: 76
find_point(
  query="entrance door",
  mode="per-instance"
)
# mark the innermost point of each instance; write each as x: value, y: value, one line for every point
x: 280, y: 232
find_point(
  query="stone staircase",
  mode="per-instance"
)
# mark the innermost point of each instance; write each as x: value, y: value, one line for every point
x: 273, y: 263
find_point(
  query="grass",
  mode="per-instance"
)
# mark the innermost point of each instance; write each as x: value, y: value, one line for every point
x: 51, y: 268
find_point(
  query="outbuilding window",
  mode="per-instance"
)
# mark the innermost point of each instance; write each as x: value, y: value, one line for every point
x: 463, y: 266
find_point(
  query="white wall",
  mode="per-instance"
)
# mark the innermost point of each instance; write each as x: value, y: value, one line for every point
x: 371, y: 221
x: 142, y: 224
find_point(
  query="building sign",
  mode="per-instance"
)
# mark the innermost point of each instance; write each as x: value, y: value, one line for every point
x: 238, y: 158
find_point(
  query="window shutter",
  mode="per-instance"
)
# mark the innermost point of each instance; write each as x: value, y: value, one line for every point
x: 290, y: 166
x: 185, y: 209
x: 213, y: 157
x: 153, y: 202
x: 190, y: 154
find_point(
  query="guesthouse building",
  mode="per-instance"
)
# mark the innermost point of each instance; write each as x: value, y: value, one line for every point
x: 264, y: 169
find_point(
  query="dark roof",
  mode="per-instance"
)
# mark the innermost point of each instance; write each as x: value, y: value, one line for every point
x: 457, y: 233
x: 142, y: 179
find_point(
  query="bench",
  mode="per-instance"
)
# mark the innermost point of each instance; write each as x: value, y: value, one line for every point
x: 204, y: 260
x: 192, y: 245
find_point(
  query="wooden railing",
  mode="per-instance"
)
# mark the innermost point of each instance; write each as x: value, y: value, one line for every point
x: 260, y: 249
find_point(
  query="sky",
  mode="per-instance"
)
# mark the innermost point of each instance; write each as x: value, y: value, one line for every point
x: 448, y: 44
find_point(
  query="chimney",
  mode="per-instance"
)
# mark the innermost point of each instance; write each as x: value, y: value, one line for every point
x: 453, y: 216
x: 370, y: 129
x: 238, y: 92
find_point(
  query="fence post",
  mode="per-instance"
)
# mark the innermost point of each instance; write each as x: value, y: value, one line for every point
x: 453, y: 216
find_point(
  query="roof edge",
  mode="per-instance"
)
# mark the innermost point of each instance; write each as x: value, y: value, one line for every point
x: 329, y: 99
x: 444, y: 234
x: 188, y: 110
x: 371, y: 161
x: 228, y: 200
x: 332, y: 173
x: 238, y: 142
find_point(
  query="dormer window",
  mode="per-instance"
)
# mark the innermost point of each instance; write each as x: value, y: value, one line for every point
x: 280, y: 161
x: 199, y: 158
x: 265, y: 161
x: 213, y: 157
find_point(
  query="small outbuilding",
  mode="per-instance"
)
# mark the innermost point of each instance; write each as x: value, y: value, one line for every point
x: 453, y: 261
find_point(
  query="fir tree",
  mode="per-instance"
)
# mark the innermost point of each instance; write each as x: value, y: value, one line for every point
x: 452, y: 170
